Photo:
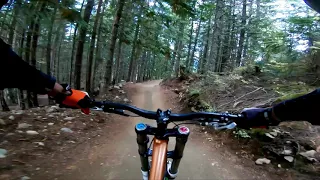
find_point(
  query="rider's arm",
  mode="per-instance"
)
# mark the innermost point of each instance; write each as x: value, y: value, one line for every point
x: 16, y: 73
x: 305, y: 108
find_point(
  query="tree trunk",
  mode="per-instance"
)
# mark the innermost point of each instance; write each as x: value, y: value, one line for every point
x: 226, y: 50
x: 201, y: 45
x: 22, y: 99
x: 134, y: 44
x: 149, y: 66
x: 258, y: 13
x: 242, y: 32
x: 58, y: 59
x: 195, y: 44
x: 5, y: 18
x: 3, y: 103
x: 60, y: 34
x: 74, y: 39
x: 216, y: 35
x: 91, y: 51
x: 135, y: 64
x: 82, y: 37
x: 248, y: 33
x: 55, y: 49
x: 72, y: 54
x: 21, y: 93
x: 119, y: 63
x: 27, y: 56
x: 14, y: 22
x: 48, y: 52
x: 142, y: 67
x: 114, y: 35
x: 189, y: 45
x: 256, y: 22
x: 146, y: 67
x: 33, y: 58
x: 233, y: 41
x: 34, y: 48
x: 153, y: 72
x: 204, y: 62
x: 180, y: 45
x: 175, y: 51
x: 98, y: 59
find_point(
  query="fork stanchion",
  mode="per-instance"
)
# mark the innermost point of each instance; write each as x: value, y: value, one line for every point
x: 142, y: 140
x: 181, y: 141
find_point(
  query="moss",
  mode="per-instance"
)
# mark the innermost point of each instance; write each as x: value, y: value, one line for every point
x: 289, y: 96
x: 250, y: 69
x: 205, y: 106
x: 304, y: 167
x: 196, y: 103
x: 258, y: 133
x: 194, y: 93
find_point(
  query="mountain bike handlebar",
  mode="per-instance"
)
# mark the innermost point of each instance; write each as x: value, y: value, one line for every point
x: 161, y: 133
x: 118, y: 108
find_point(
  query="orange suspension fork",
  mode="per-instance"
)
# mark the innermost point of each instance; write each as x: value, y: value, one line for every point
x: 159, y: 159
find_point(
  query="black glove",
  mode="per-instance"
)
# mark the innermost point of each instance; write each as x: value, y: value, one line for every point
x: 257, y: 117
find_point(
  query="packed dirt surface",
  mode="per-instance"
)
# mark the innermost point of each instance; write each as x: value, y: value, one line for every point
x: 109, y: 151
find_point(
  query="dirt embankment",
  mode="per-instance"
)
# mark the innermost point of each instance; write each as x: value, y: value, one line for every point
x: 292, y: 146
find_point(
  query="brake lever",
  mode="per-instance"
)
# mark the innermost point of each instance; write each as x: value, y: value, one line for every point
x: 96, y: 109
x: 115, y: 111
x: 227, y: 126
x: 219, y: 126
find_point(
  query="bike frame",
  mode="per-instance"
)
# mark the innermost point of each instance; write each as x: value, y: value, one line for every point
x: 159, y: 159
x: 160, y: 166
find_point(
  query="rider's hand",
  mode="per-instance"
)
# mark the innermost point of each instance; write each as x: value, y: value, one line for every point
x: 256, y: 117
x: 73, y: 98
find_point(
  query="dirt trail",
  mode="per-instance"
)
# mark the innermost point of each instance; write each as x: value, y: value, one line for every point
x: 116, y: 156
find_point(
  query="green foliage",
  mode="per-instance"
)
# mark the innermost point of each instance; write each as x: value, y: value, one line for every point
x: 258, y: 132
x: 289, y: 96
x: 301, y: 24
x: 249, y: 69
x: 182, y: 8
x: 168, y: 30
x: 241, y: 133
x: 194, y: 93
x: 197, y: 103
x: 71, y: 15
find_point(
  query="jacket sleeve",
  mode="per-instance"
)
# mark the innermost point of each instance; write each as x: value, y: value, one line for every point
x: 16, y: 73
x: 304, y: 108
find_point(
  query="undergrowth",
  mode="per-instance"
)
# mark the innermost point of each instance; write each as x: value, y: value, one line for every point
x: 253, y: 87
x: 249, y: 86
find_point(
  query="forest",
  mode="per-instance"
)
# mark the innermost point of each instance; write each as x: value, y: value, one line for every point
x: 187, y: 55
x: 91, y: 44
